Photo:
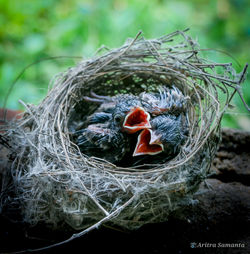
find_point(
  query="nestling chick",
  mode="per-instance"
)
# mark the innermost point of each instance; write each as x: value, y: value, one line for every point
x: 166, y: 136
x: 104, y: 141
x: 106, y: 133
x: 169, y: 128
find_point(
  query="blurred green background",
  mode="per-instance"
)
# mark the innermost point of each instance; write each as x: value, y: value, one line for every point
x: 31, y: 30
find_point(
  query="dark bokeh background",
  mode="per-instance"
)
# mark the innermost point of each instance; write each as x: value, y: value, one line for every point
x: 31, y: 30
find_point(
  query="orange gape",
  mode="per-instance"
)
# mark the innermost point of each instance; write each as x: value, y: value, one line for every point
x: 10, y: 114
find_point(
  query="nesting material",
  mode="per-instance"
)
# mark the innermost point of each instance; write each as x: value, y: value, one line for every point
x: 57, y: 185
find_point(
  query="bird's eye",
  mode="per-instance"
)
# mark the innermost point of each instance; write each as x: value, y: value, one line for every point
x: 118, y: 118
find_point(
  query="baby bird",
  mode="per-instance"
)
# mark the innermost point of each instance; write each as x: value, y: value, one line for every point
x: 169, y: 128
x: 103, y: 140
x: 106, y: 133
x: 125, y: 110
x: 166, y: 136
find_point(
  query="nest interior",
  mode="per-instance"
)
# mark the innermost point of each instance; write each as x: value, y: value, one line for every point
x: 58, y: 185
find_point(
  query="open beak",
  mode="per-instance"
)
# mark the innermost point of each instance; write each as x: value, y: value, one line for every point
x: 137, y: 119
x: 148, y: 144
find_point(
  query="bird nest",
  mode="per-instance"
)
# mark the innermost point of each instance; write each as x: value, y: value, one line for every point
x: 58, y: 185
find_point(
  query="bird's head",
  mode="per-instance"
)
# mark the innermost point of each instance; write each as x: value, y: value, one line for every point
x: 166, y: 135
x: 130, y: 116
